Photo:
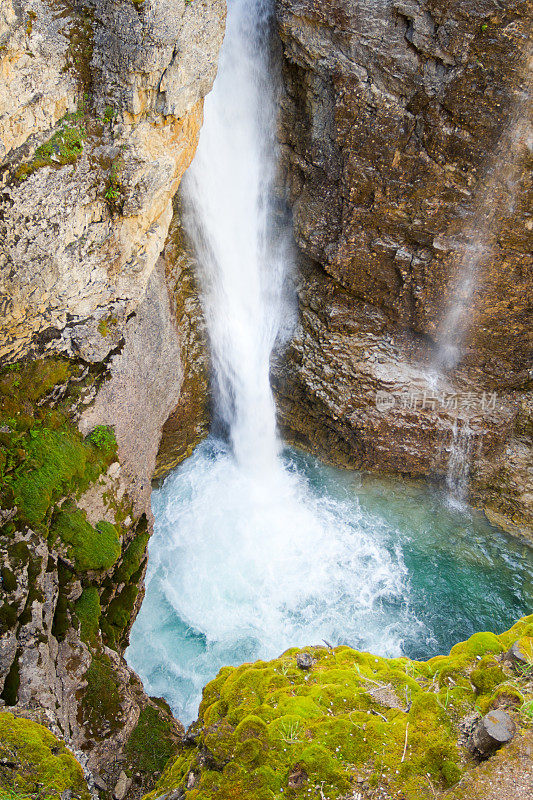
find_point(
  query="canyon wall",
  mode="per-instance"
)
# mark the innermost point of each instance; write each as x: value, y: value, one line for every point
x: 100, y: 343
x: 405, y: 134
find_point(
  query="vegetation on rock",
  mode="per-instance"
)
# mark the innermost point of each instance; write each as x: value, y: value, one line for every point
x: 152, y: 742
x: 43, y: 767
x: 101, y: 701
x: 64, y: 147
x: 271, y: 730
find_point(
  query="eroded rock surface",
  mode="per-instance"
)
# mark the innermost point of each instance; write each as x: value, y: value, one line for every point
x: 100, y: 112
x: 85, y: 219
x: 404, y: 133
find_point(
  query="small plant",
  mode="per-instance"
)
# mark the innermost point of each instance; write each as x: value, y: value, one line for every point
x: 103, y: 437
x: 109, y: 114
x: 526, y: 710
x: 65, y: 147
x: 290, y: 732
x: 114, y: 192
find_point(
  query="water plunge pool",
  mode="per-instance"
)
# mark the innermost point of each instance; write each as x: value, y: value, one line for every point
x: 244, y: 565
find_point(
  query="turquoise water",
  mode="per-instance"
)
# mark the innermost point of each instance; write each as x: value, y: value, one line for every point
x: 244, y: 566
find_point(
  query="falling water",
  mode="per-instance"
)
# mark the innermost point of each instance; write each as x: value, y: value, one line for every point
x: 458, y: 471
x: 243, y: 259
x: 257, y: 549
x: 494, y: 199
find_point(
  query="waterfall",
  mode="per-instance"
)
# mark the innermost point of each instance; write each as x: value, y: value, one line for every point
x: 254, y: 549
x: 458, y: 471
x: 258, y: 548
x: 494, y: 199
x: 243, y: 260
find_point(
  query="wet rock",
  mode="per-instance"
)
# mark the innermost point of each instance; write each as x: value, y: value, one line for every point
x: 304, y: 660
x: 192, y: 734
x: 493, y: 731
x: 384, y: 164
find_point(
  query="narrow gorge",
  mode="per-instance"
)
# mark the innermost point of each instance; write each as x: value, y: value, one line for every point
x: 266, y: 508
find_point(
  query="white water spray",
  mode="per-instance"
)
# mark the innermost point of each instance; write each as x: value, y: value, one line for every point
x: 494, y: 199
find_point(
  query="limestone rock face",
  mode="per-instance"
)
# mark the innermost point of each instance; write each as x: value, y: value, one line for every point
x: 100, y: 112
x: 404, y: 130
x: 83, y: 222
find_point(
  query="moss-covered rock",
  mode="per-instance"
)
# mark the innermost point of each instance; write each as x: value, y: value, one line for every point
x: 42, y: 765
x: 101, y: 700
x: 44, y: 456
x: 88, y: 611
x: 270, y: 730
x: 90, y: 548
x: 153, y: 741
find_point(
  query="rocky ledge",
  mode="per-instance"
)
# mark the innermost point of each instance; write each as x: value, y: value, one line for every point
x: 335, y: 723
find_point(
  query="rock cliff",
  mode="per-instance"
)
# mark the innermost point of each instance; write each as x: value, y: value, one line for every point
x: 100, y: 343
x: 404, y: 138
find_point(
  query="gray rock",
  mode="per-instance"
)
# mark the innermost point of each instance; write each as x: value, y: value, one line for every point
x: 123, y: 784
x: 304, y: 660
x: 516, y: 655
x: 492, y: 731
x: 99, y: 782
x: 175, y: 794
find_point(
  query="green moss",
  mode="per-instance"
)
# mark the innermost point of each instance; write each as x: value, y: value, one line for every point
x: 88, y: 611
x: 119, y: 612
x: 44, y: 455
x: 103, y: 438
x: 12, y: 682
x: 152, y: 742
x: 9, y: 581
x: 101, y: 699
x: 487, y: 675
x: 64, y: 147
x: 45, y: 768
x: 54, y: 459
x: 133, y: 558
x: 90, y: 548
x: 259, y: 722
x: 35, y: 379
x: 8, y: 616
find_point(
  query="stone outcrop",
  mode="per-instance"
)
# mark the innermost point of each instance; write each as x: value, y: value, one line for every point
x: 404, y: 132
x: 100, y: 112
